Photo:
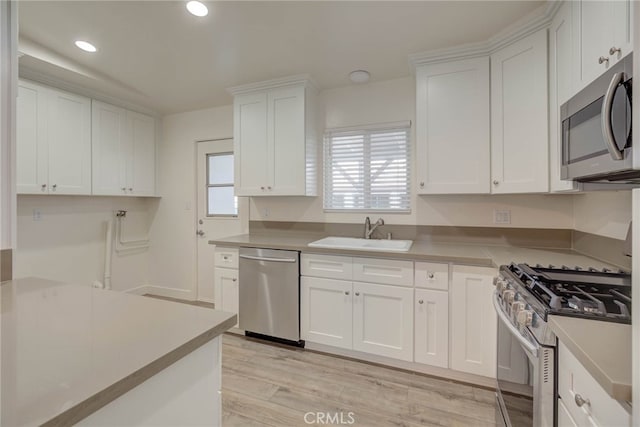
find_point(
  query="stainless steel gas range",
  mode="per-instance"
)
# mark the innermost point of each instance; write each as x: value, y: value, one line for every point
x: 524, y: 297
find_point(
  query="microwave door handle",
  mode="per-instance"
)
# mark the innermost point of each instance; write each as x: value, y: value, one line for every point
x: 607, y: 106
x: 524, y: 343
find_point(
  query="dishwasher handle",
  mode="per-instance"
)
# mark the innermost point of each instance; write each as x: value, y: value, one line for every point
x: 259, y: 258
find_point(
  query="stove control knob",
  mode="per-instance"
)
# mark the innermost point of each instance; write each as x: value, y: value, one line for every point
x: 517, y: 307
x: 525, y: 318
x: 508, y: 296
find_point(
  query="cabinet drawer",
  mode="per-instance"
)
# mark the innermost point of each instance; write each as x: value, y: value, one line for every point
x: 226, y: 257
x: 574, y: 379
x: 385, y: 271
x: 432, y: 275
x: 329, y: 266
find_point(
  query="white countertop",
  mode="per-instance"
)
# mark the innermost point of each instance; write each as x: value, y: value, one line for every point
x: 63, y: 344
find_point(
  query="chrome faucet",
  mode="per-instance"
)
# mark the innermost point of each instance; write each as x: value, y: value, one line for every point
x: 368, y: 229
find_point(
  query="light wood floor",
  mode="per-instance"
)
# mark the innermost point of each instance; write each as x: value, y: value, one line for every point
x: 272, y: 385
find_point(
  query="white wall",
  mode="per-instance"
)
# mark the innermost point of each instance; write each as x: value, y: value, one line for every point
x: 390, y: 101
x: 173, y: 250
x: 605, y: 213
x: 68, y: 242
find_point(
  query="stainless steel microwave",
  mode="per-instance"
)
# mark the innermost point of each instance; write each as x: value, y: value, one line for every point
x: 596, y: 130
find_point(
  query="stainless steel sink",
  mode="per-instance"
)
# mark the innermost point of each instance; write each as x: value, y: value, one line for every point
x: 362, y: 244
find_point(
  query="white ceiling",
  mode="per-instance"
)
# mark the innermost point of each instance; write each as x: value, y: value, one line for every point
x: 156, y: 54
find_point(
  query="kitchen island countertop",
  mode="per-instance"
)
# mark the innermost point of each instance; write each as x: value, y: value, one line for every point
x: 68, y: 350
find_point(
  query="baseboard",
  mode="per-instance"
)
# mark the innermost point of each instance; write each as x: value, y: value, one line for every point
x: 435, y: 371
x: 163, y: 292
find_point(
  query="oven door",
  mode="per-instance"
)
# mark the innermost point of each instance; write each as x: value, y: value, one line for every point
x: 524, y: 377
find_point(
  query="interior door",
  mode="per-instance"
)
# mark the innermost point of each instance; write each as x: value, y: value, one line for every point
x: 219, y: 212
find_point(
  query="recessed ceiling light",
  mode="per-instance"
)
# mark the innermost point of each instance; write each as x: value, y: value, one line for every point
x: 359, y: 76
x: 86, y: 46
x: 197, y: 8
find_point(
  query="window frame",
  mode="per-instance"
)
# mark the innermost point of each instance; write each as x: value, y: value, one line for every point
x: 366, y: 131
x: 226, y: 185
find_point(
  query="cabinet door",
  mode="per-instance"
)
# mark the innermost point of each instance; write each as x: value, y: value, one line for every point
x: 325, y: 311
x: 286, y: 142
x: 473, y: 321
x: 252, y: 155
x: 622, y: 13
x: 141, y: 154
x: 452, y: 125
x: 564, y: 417
x: 108, y: 142
x: 594, y: 35
x: 383, y: 320
x: 69, y: 136
x: 226, y: 290
x: 561, y: 80
x: 432, y: 327
x: 519, y: 141
x: 31, y: 143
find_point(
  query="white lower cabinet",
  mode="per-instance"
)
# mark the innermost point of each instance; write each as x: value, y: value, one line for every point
x: 383, y: 320
x: 227, y: 290
x: 564, y: 417
x: 585, y: 402
x: 326, y: 311
x: 431, y: 317
x: 473, y: 321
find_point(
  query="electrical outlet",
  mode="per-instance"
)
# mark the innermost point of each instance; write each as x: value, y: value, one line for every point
x: 37, y: 215
x: 502, y: 216
x: 266, y: 212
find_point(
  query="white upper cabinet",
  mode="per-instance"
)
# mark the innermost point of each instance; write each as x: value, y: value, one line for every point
x: 561, y: 84
x: 519, y: 120
x: 123, y: 151
x: 275, y: 139
x: 53, y: 141
x: 603, y: 35
x: 453, y: 139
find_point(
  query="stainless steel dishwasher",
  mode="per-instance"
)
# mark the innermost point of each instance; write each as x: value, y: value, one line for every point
x: 270, y: 293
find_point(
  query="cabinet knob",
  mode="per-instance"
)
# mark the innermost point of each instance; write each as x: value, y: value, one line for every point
x: 603, y: 59
x: 496, y: 182
x: 262, y: 188
x: 420, y: 301
x: 430, y: 275
x: 234, y: 280
x: 422, y: 185
x: 130, y: 189
x: 269, y: 188
x: 357, y: 294
x: 346, y: 292
x: 124, y: 188
x: 580, y: 401
x: 54, y: 186
x: 44, y: 187
x: 613, y: 50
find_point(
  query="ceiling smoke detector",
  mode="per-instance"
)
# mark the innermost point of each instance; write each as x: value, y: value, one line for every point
x: 359, y: 76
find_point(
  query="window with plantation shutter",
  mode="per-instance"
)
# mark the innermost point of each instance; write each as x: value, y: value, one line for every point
x: 368, y: 169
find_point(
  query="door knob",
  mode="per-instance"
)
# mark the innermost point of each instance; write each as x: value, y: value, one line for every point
x: 200, y: 233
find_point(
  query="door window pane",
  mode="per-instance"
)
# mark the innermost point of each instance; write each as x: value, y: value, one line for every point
x: 222, y: 201
x: 221, y: 169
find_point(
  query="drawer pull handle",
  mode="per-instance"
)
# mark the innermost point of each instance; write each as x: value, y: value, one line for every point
x: 580, y: 401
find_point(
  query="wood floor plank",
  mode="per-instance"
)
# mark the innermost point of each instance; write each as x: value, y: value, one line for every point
x: 274, y: 385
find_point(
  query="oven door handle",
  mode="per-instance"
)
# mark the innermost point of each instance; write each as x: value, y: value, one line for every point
x: 607, y: 127
x: 268, y: 259
x: 524, y: 343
